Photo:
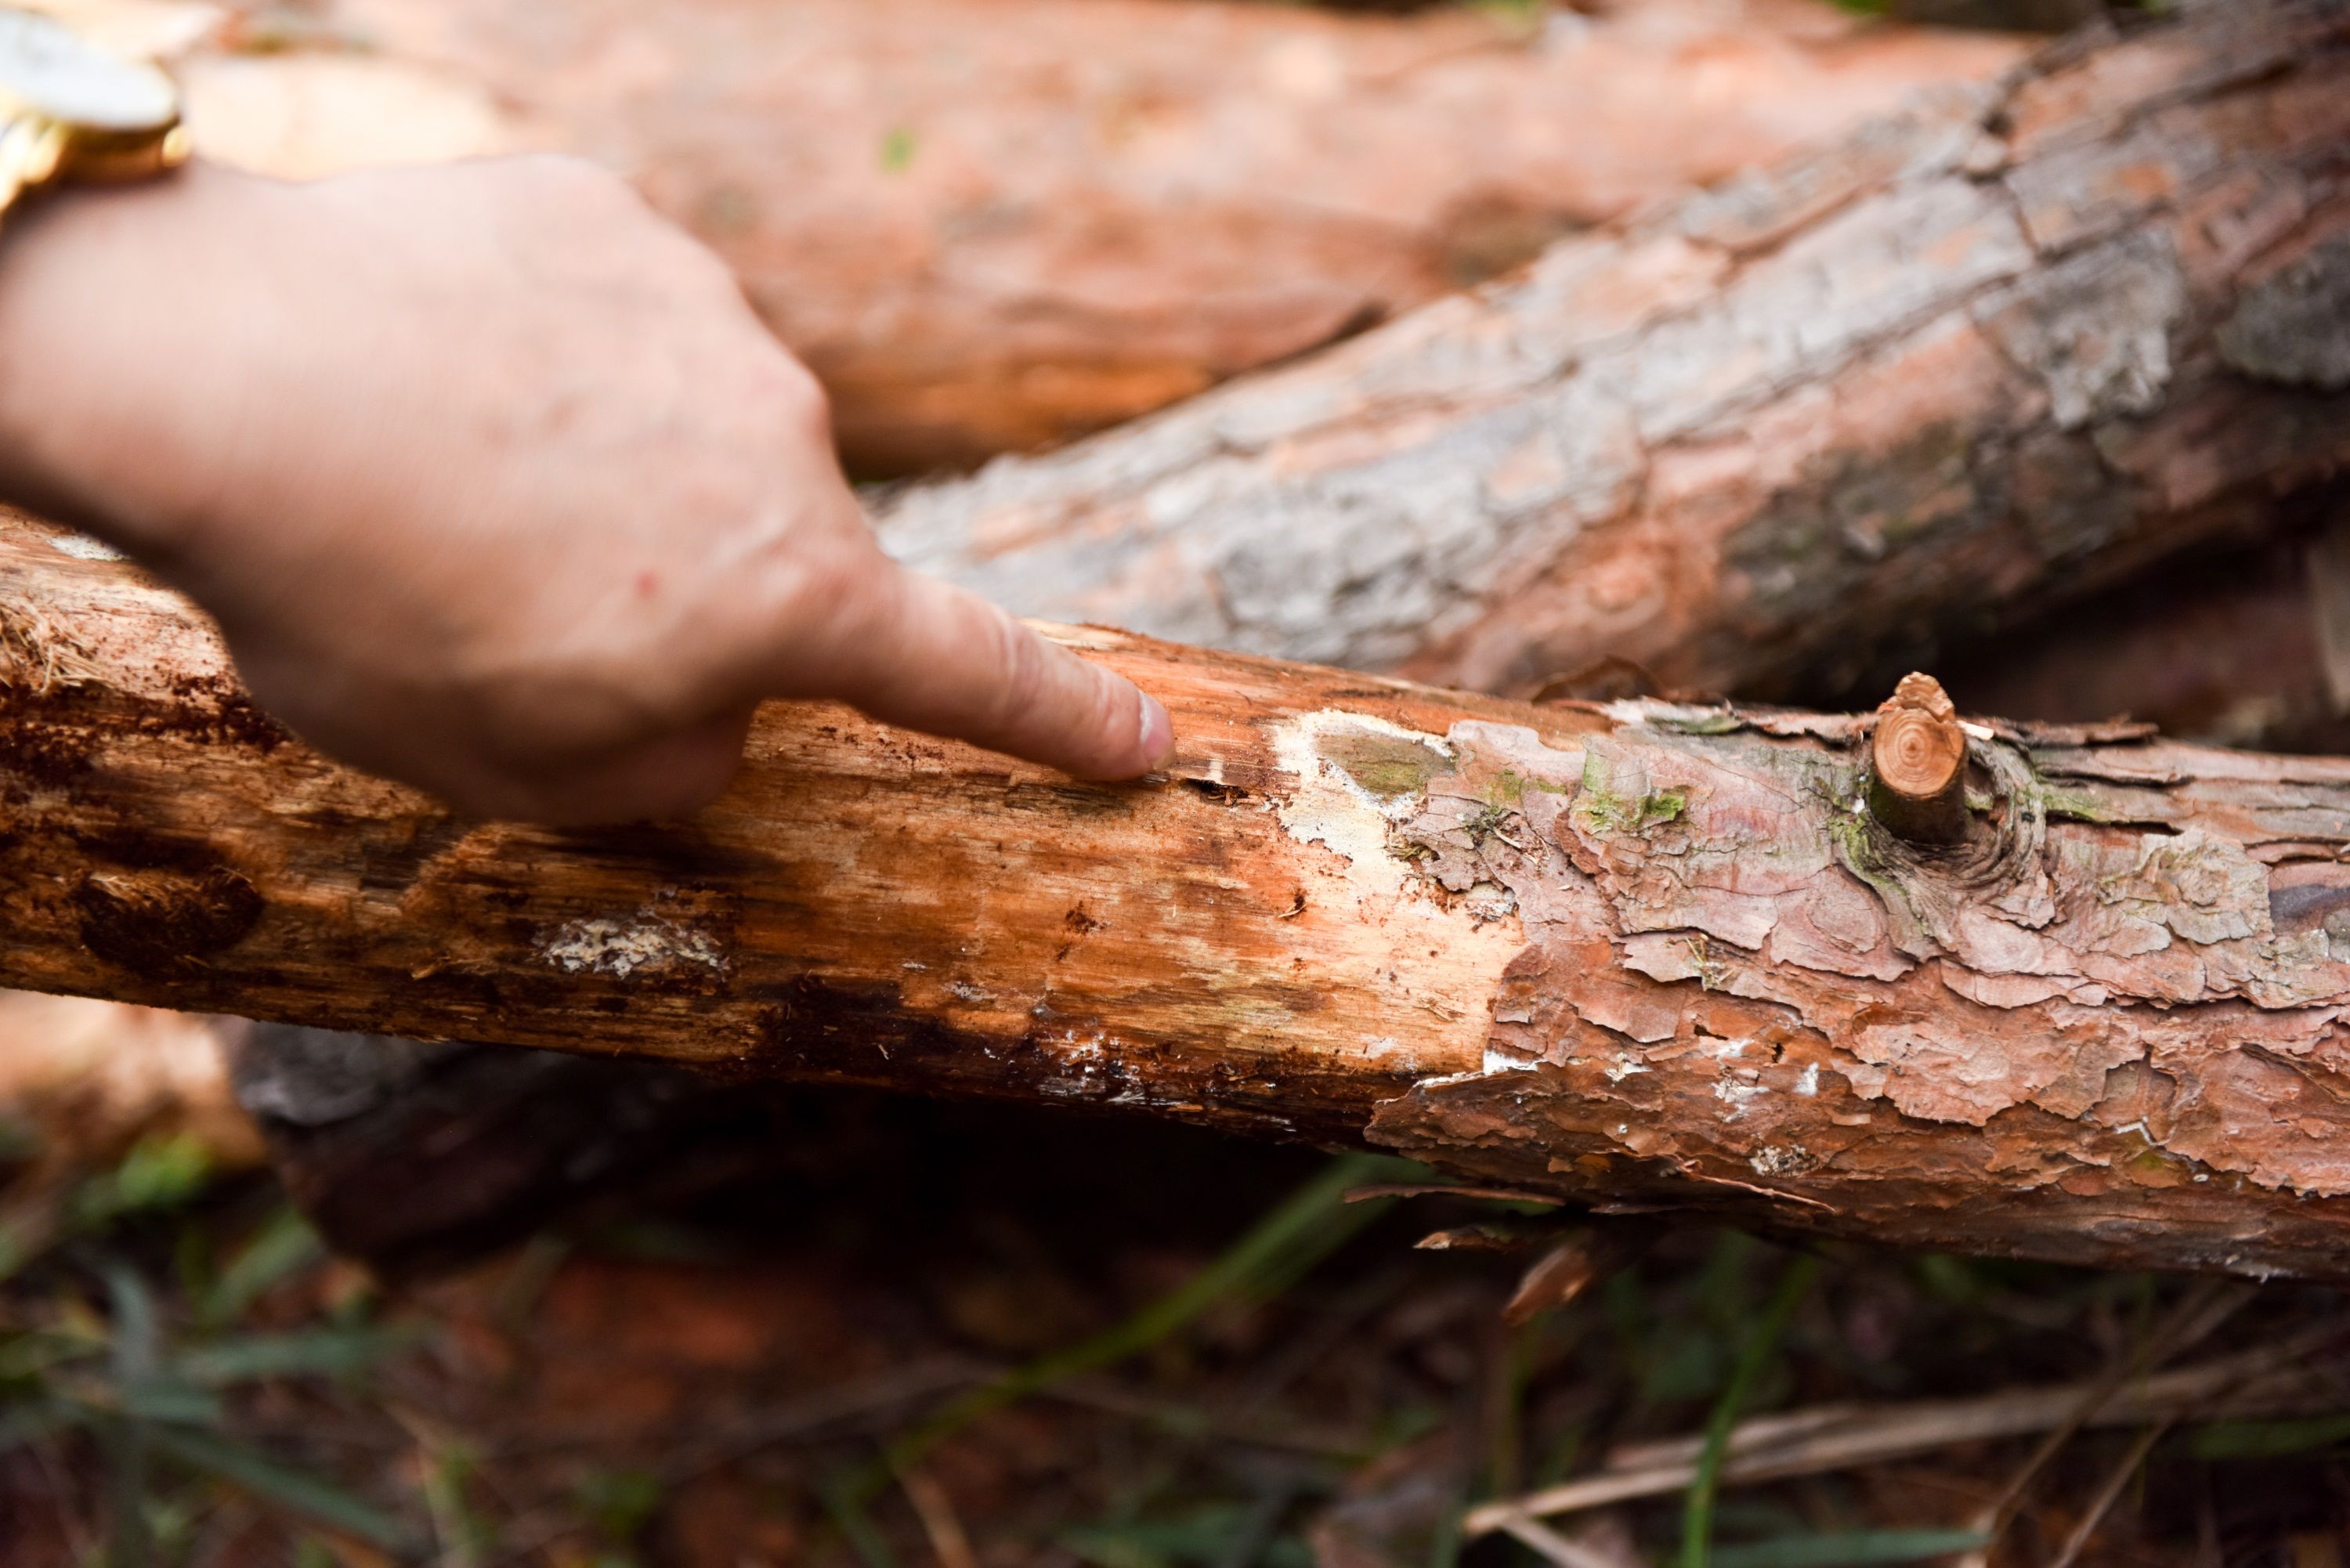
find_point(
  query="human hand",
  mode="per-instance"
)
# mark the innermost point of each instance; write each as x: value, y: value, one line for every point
x: 494, y: 484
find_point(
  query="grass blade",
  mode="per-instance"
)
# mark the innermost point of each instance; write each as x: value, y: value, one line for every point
x: 31, y: 1420
x: 1697, y: 1514
x: 267, y: 1479
x: 306, y: 1353
x: 2268, y: 1439
x: 283, y: 1248
x: 844, y: 1504
x: 137, y: 1336
x: 166, y: 1399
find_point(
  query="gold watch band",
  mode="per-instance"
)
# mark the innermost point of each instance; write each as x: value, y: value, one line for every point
x: 70, y: 110
x: 32, y: 150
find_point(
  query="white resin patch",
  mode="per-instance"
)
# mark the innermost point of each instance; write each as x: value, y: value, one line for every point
x: 82, y: 547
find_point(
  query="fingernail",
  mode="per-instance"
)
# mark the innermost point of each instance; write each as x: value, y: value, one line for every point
x: 1157, y: 737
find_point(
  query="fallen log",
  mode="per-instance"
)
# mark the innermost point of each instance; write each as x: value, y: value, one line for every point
x: 1424, y: 496
x: 484, y: 1144
x: 993, y: 225
x: 1641, y: 955
x: 1771, y: 437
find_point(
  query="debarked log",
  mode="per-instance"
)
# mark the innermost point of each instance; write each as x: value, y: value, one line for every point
x: 1645, y: 955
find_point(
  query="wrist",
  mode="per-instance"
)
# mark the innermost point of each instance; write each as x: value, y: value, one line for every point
x: 103, y: 290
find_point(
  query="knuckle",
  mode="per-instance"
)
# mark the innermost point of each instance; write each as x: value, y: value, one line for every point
x: 812, y: 588
x: 801, y: 406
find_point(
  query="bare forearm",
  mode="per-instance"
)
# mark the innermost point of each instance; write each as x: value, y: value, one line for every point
x: 99, y: 290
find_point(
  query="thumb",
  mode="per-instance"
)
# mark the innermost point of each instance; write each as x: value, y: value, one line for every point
x: 943, y: 661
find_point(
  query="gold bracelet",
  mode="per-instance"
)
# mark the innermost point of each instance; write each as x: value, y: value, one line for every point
x: 70, y: 110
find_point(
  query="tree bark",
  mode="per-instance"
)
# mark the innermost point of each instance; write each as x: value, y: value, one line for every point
x: 2228, y: 650
x: 1638, y: 954
x: 994, y: 225
x: 1780, y: 435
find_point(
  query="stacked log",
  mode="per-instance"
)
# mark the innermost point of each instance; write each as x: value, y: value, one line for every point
x: 994, y: 225
x: 1635, y: 955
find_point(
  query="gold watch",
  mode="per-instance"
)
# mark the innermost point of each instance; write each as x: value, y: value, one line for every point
x: 70, y: 110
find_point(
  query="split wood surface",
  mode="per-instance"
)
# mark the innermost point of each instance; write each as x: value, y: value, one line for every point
x: 1641, y: 955
x: 993, y: 225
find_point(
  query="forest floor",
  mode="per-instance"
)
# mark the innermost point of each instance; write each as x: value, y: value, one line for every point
x: 998, y: 1337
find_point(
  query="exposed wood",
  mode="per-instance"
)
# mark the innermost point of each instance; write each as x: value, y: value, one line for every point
x: 1918, y: 764
x: 992, y: 224
x: 1640, y: 954
x: 1780, y: 434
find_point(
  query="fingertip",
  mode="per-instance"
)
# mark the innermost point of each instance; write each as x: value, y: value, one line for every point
x: 950, y: 663
x: 1157, y: 741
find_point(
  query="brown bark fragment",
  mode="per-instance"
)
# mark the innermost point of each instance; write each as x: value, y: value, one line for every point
x: 1634, y: 954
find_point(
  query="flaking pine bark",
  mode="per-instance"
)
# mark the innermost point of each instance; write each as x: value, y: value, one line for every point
x: 1639, y: 955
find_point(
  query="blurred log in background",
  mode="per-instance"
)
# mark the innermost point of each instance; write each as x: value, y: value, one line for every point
x: 993, y: 225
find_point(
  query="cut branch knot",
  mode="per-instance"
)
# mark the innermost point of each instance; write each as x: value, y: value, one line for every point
x: 1918, y: 764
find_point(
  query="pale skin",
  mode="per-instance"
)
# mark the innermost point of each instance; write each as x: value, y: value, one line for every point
x: 495, y: 484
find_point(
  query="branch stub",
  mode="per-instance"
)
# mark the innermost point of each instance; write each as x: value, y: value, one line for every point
x: 1918, y: 763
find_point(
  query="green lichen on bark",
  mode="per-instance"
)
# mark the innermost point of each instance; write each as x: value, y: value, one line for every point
x: 1715, y: 722
x: 1869, y: 853
x: 1601, y: 808
x: 2069, y: 804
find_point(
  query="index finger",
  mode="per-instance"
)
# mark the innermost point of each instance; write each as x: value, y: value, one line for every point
x: 943, y: 660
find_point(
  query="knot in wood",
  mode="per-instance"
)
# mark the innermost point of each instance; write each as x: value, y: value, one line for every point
x: 1918, y: 763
